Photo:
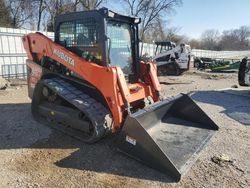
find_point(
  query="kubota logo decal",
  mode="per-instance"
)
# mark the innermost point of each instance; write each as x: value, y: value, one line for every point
x: 64, y: 57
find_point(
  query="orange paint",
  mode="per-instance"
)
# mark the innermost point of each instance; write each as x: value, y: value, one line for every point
x: 110, y: 81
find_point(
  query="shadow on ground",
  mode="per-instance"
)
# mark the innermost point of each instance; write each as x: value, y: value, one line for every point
x: 175, y: 83
x: 19, y: 130
x: 235, y: 106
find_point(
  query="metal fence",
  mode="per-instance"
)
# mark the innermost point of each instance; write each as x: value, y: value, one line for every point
x: 221, y: 54
x: 12, y: 54
x: 150, y: 50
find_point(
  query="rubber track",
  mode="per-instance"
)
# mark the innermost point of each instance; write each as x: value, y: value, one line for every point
x: 99, y: 115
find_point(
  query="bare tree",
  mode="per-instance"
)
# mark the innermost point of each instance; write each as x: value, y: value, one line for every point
x: 156, y: 32
x: 150, y: 11
x: 171, y: 34
x: 236, y: 39
x: 40, y: 14
x: 90, y: 4
x: 5, y: 17
x: 243, y: 35
x: 210, y: 39
x: 195, y: 43
x: 162, y: 33
x: 57, y: 7
x: 41, y: 9
x: 21, y: 11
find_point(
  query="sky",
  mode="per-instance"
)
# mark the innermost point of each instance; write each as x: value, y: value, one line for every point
x: 196, y: 16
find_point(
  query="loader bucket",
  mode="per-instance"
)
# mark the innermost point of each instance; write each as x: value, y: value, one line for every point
x: 167, y: 135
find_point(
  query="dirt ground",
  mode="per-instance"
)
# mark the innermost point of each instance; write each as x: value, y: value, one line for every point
x: 33, y: 155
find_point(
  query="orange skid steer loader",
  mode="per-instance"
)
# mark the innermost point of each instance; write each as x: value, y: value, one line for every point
x: 90, y: 83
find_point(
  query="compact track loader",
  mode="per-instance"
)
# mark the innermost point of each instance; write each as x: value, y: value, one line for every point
x: 171, y: 59
x: 89, y: 83
x: 244, y: 72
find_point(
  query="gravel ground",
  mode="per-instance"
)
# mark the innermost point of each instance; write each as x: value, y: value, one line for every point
x: 33, y: 155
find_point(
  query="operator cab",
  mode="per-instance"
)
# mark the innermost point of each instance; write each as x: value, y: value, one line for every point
x: 165, y: 46
x: 101, y: 36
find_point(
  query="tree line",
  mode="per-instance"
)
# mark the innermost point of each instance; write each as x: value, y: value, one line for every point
x: 40, y: 14
x: 234, y: 39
